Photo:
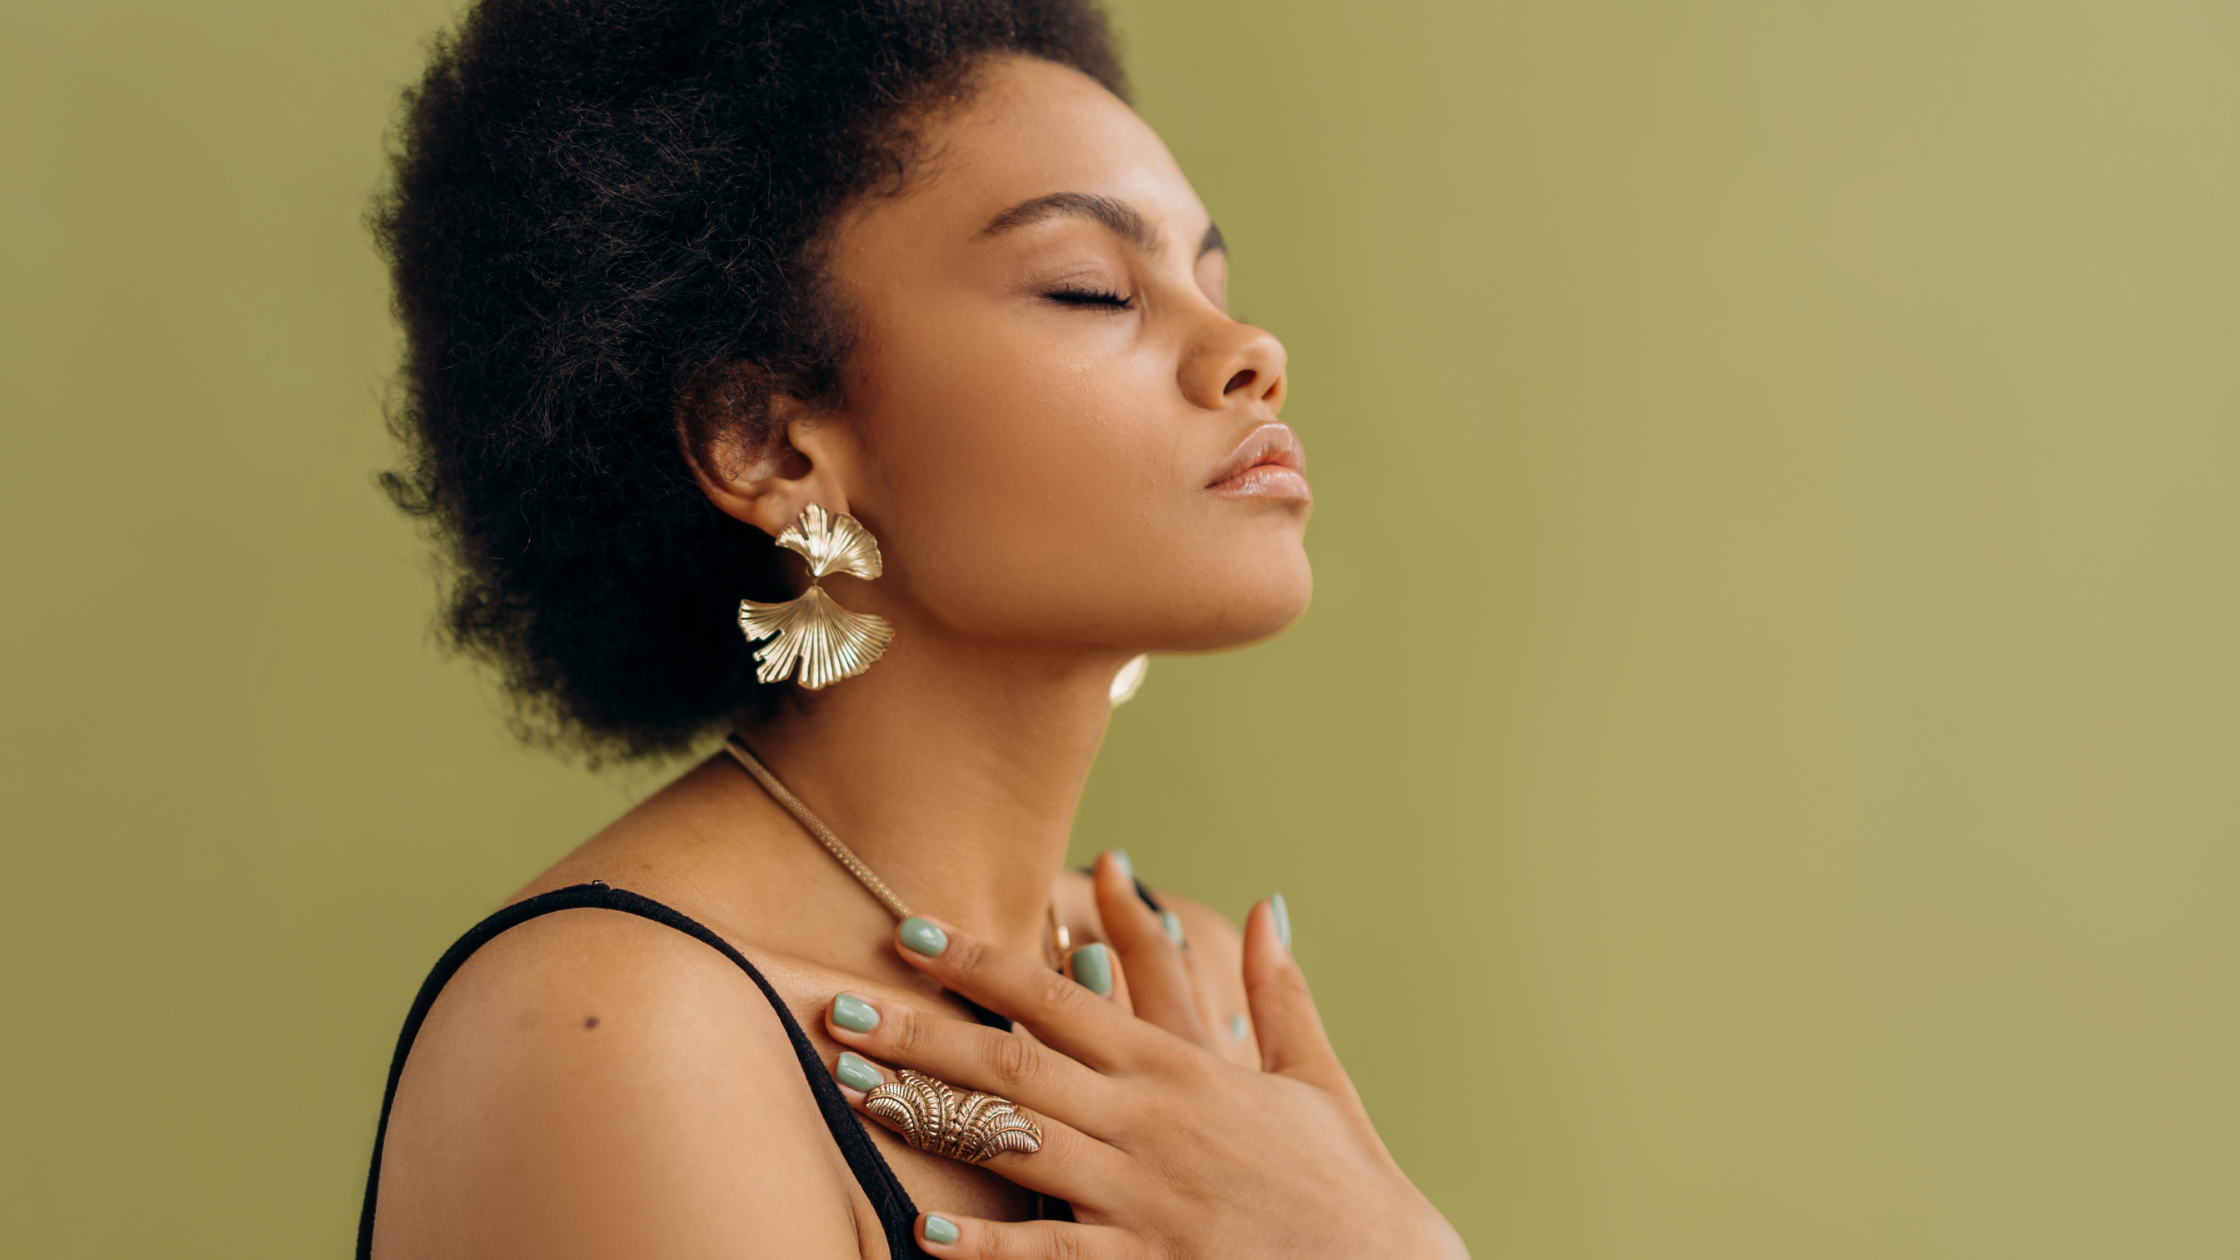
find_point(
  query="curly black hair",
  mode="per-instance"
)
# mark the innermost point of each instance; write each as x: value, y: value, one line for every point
x: 594, y: 209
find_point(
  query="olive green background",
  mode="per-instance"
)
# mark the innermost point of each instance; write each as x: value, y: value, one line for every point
x: 1759, y: 776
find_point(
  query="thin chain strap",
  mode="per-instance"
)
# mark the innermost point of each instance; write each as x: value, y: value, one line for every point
x: 815, y: 825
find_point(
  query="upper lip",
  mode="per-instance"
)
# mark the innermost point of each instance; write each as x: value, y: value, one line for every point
x: 1271, y: 443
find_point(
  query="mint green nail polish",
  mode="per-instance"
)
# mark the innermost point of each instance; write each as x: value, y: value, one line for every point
x: 923, y: 937
x: 1127, y: 866
x: 1092, y: 969
x: 940, y: 1230
x: 1282, y: 915
x: 854, y: 1014
x: 857, y: 1074
x: 1172, y: 922
x: 1238, y: 1028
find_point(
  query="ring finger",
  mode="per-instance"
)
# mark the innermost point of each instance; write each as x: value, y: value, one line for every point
x: 972, y: 1057
x: 1065, y: 1163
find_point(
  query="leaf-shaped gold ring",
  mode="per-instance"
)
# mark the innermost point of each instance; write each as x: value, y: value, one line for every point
x: 812, y: 634
x: 979, y: 1128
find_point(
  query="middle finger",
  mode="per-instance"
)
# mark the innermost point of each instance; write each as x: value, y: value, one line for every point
x: 1068, y: 1163
x: 972, y: 1056
x: 1161, y: 987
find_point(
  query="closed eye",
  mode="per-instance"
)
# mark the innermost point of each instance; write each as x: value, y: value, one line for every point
x: 1105, y: 298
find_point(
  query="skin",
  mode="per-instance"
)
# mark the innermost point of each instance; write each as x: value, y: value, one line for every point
x: 1047, y: 417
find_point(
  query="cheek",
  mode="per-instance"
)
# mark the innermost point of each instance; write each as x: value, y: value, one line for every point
x: 1020, y: 482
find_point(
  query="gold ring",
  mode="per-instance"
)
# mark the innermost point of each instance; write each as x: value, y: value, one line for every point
x: 931, y: 1118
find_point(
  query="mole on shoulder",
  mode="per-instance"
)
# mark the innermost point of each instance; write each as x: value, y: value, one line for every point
x: 590, y: 1021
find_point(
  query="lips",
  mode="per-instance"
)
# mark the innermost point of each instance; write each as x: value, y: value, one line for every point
x: 1268, y: 464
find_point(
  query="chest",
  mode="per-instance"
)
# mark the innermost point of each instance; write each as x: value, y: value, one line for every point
x: 935, y: 1183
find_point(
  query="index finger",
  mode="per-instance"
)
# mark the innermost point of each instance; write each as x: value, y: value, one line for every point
x: 1063, y: 1015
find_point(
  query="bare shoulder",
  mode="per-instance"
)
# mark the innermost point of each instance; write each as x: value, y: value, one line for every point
x: 595, y: 1084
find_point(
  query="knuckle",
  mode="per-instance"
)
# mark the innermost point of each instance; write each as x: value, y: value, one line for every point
x: 965, y: 957
x: 1286, y: 983
x: 1058, y: 994
x: 996, y: 1243
x: 907, y: 1035
x: 1036, y: 1241
x: 1192, y: 1068
x: 1064, y: 1244
x: 1015, y: 1062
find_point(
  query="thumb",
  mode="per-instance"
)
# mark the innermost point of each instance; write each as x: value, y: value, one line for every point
x: 1284, y: 1019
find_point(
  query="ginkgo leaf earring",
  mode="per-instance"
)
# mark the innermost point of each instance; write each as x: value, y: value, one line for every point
x: 825, y: 641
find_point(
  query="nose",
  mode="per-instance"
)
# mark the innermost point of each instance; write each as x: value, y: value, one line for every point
x: 1234, y: 366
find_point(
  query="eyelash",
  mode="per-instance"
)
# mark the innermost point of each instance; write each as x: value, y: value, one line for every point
x: 1092, y: 297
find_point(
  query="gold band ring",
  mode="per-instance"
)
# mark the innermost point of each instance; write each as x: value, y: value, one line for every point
x: 931, y: 1118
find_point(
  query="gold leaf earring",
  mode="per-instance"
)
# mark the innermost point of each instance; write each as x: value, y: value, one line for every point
x: 827, y: 642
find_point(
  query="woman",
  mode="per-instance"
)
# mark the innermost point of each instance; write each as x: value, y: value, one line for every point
x: 856, y: 379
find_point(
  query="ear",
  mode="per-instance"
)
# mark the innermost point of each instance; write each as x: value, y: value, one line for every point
x: 760, y: 454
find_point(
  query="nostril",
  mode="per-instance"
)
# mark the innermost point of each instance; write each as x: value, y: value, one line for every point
x: 1241, y: 380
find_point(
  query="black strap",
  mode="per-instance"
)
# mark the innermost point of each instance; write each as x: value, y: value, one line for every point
x: 897, y: 1214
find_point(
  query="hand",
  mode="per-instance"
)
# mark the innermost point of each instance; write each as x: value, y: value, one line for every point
x: 1189, y: 991
x: 1163, y: 1149
x: 1155, y: 978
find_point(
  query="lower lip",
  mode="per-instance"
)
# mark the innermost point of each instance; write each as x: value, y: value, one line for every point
x: 1265, y: 481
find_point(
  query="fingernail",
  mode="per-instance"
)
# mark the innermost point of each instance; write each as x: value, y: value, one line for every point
x: 1120, y: 859
x: 1092, y: 969
x: 923, y: 937
x: 940, y: 1230
x: 1172, y: 922
x: 857, y: 1074
x: 854, y: 1014
x: 1278, y: 911
x: 1238, y: 1028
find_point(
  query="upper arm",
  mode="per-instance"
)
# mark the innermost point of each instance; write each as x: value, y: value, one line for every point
x: 594, y: 1084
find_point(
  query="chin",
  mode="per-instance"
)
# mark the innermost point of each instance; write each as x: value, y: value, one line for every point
x: 1260, y: 602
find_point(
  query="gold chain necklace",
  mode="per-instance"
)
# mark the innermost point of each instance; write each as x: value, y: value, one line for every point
x: 1061, y: 939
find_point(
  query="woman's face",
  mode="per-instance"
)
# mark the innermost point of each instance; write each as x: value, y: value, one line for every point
x: 1052, y: 425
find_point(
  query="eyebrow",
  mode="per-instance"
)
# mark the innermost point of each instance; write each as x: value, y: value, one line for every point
x: 1118, y: 217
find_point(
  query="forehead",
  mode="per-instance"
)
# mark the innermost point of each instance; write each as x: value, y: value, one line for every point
x: 1031, y: 129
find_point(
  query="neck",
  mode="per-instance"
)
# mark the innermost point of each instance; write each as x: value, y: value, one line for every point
x: 953, y: 774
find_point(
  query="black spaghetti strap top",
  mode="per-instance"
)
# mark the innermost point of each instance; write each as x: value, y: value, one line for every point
x: 897, y: 1214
